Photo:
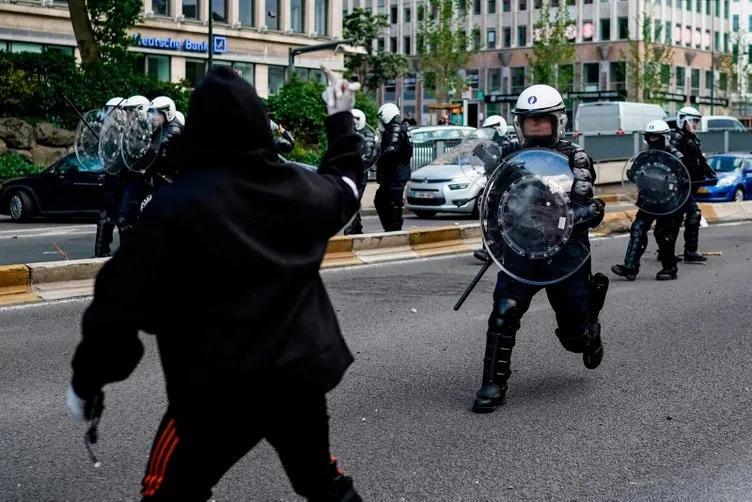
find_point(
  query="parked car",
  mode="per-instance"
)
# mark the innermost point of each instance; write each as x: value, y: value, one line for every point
x: 615, y: 117
x: 449, y: 184
x: 734, y: 172
x: 428, y: 134
x: 65, y: 188
x: 714, y: 123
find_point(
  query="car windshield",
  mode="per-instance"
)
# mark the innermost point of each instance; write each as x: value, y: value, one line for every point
x: 725, y: 163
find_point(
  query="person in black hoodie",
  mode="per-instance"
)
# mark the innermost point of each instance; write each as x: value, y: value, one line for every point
x: 249, y: 351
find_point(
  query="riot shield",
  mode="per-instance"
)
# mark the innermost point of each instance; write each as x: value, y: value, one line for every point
x: 142, y: 140
x: 657, y: 182
x: 110, y: 138
x: 527, y: 220
x: 86, y: 141
x: 371, y: 146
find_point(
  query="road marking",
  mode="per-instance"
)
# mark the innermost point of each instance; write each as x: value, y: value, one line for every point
x: 62, y: 301
x: 32, y: 233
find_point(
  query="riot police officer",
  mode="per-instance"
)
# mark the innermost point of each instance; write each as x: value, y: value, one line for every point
x: 393, y: 167
x: 283, y: 140
x: 370, y: 155
x: 656, y: 137
x: 539, y: 120
x: 171, y: 127
x: 684, y: 138
x: 112, y: 194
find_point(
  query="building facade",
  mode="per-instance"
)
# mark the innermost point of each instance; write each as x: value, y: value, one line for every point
x: 601, y: 30
x: 741, y: 29
x: 253, y: 36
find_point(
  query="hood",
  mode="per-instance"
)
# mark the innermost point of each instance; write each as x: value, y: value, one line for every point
x: 227, y: 119
x: 444, y: 172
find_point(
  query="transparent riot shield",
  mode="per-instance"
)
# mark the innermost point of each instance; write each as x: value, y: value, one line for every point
x: 527, y: 219
x: 109, y: 140
x: 657, y: 182
x: 86, y: 141
x: 371, y: 146
x: 142, y: 139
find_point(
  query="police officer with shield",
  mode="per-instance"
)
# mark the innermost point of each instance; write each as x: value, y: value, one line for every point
x: 538, y: 218
x: 393, y: 169
x: 662, y: 202
x: 370, y: 157
x: 684, y: 138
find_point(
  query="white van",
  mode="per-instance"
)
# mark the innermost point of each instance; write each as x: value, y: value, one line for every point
x: 615, y: 117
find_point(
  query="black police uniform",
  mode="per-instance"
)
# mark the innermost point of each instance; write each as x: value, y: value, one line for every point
x: 701, y: 174
x: 392, y: 174
x: 664, y: 237
x: 370, y: 146
x: 577, y: 300
x: 113, y: 192
x: 284, y: 142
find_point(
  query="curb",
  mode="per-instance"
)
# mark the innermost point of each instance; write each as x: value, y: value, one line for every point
x: 37, y: 282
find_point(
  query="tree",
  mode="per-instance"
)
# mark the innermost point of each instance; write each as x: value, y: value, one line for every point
x: 552, y: 57
x: 444, y: 46
x: 648, y: 61
x: 101, y: 28
x: 376, y: 67
x: 739, y: 67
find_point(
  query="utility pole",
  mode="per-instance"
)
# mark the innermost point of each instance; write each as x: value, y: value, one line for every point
x: 211, y: 35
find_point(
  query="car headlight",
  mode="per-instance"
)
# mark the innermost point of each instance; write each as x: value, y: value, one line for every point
x: 458, y: 186
x: 727, y: 181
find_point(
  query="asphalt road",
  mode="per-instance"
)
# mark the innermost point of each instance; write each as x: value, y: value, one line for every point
x: 666, y: 416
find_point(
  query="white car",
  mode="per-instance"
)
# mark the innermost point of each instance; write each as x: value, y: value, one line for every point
x: 451, y: 183
x: 428, y: 134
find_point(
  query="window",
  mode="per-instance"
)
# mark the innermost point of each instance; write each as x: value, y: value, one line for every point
x: 161, y: 7
x: 590, y: 76
x: 695, y: 79
x: 665, y: 75
x: 723, y: 80
x: 476, y: 7
x: 493, y: 80
x: 393, y: 44
x: 245, y: 12
x: 681, y: 77
x: 717, y: 41
x: 406, y: 45
x: 69, y: 51
x: 191, y: 9
x: 472, y: 79
x: 618, y: 75
x: 523, y: 4
x: 297, y: 21
x: 408, y: 87
x: 605, y: 29
x: 194, y: 71
x: 735, y: 22
x: 393, y: 14
x: 667, y: 34
x: 748, y: 21
x: 518, y: 79
x: 506, y: 37
x: 407, y: 15
x: 521, y: 36
x: 490, y: 38
x: 25, y: 47
x: 506, y: 6
x: 623, y: 27
x: 219, y: 10
x: 380, y: 44
x: 476, y: 39
x: 276, y: 78
x: 272, y: 14
x: 709, y: 79
x: 321, y: 9
x: 246, y: 71
x: 492, y: 6
x: 159, y: 66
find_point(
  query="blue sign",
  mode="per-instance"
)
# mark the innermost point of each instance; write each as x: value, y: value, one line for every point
x: 187, y: 45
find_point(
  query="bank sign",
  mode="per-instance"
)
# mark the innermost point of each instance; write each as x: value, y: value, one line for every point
x: 186, y: 44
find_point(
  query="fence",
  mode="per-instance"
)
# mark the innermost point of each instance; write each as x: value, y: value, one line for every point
x: 606, y: 147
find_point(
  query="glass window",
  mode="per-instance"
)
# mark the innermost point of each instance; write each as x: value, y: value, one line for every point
x: 191, y: 9
x: 476, y: 7
x: 750, y: 24
x: 521, y: 36
x: 507, y: 37
x: 276, y: 78
x: 297, y: 22
x: 219, y: 10
x: 194, y: 71
x: 70, y: 51
x: 518, y: 79
x: 709, y: 79
x: 476, y: 39
x: 161, y: 7
x: 493, y: 80
x: 407, y: 15
x: 681, y: 77
x: 246, y: 71
x: 25, y: 47
x: 406, y: 46
x: 393, y: 44
x: 695, y: 76
x: 723, y: 81
x: 590, y: 74
x: 735, y: 22
x: 506, y: 6
x: 623, y: 26
x: 159, y: 66
x: 491, y: 38
x: 393, y: 14
x: 272, y: 14
x: 492, y: 6
x: 245, y: 12
x: 321, y: 13
x: 523, y: 4
x: 605, y: 29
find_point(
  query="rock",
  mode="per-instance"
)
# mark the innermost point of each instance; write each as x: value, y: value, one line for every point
x: 49, y: 135
x: 24, y: 154
x: 3, y: 147
x: 46, y: 155
x: 17, y: 133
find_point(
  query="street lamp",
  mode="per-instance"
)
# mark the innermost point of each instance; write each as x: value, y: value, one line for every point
x: 341, y: 47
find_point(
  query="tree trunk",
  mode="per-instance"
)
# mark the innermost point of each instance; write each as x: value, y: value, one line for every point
x: 84, y: 33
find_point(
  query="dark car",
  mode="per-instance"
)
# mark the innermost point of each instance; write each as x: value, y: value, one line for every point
x: 65, y: 188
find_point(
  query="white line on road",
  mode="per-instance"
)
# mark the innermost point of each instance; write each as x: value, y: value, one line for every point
x: 32, y: 233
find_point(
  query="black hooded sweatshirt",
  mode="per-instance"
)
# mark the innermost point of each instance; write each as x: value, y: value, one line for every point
x: 224, y: 263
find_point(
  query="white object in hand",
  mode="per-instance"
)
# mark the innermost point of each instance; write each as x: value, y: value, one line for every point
x: 339, y: 95
x: 76, y: 405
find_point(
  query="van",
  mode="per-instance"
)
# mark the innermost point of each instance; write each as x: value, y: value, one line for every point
x: 615, y: 117
x: 714, y: 123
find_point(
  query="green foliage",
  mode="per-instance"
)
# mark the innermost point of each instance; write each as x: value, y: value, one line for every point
x: 647, y: 58
x: 50, y: 76
x: 13, y: 165
x: 298, y: 107
x: 307, y: 156
x: 373, y: 69
x: 110, y: 22
x: 444, y: 46
x: 553, y: 55
x: 364, y: 103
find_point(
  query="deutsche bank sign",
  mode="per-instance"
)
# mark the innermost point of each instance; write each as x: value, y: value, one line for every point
x: 187, y: 45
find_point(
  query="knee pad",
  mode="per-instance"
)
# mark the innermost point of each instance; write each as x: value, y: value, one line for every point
x: 506, y: 315
x: 694, y: 217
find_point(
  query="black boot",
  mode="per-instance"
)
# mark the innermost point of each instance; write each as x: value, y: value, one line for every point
x: 630, y: 273
x: 667, y: 274
x: 593, y: 353
x: 103, y: 239
x: 694, y: 257
x: 496, y: 372
x: 638, y: 241
x: 482, y: 255
x: 692, y: 237
x: 597, y: 288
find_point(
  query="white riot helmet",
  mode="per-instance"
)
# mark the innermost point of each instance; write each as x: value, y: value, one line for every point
x: 359, y: 118
x: 165, y: 105
x: 113, y: 102
x: 657, y: 128
x: 135, y: 102
x: 387, y: 113
x: 686, y: 114
x: 536, y: 101
x: 496, y: 122
x: 180, y: 118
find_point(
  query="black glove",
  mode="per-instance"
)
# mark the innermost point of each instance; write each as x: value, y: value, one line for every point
x: 85, y: 409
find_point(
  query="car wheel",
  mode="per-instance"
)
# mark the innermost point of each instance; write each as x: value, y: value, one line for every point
x: 424, y: 214
x: 20, y: 207
x: 739, y: 195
